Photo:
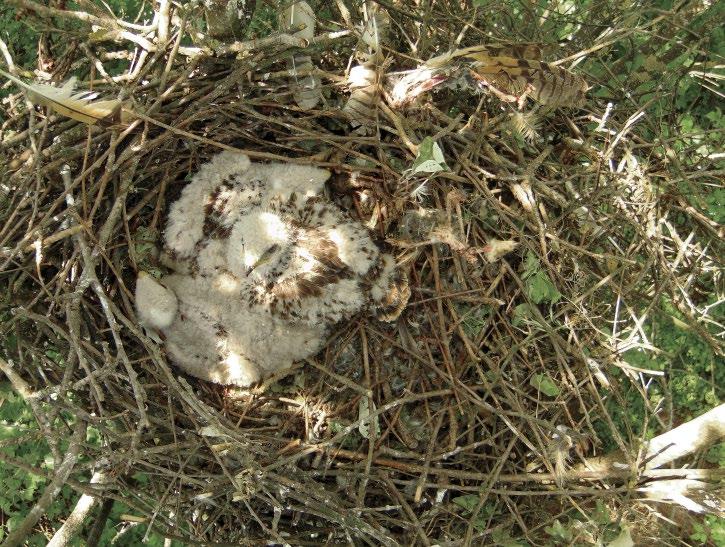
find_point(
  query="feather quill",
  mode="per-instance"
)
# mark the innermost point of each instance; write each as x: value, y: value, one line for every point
x: 364, y: 78
x: 307, y: 89
x: 78, y: 106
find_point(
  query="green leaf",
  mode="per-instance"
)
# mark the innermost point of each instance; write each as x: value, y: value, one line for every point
x: 531, y: 265
x: 54, y: 355
x: 430, y: 158
x: 522, y: 313
x: 144, y: 249
x: 540, y: 288
x: 699, y: 533
x: 428, y: 166
x: 559, y: 532
x: 13, y: 522
x: 687, y: 123
x: 545, y: 384
x: 716, y: 455
x: 624, y: 539
x: 468, y: 502
x: 601, y: 513
x: 503, y: 538
x: 299, y: 380
x: 141, y: 478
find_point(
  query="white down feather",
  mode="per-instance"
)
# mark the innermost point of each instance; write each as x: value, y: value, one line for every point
x: 264, y: 267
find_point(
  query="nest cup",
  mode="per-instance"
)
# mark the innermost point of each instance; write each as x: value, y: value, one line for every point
x: 474, y: 403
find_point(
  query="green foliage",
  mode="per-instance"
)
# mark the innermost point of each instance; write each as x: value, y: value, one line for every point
x: 601, y: 514
x: 20, y: 489
x: 21, y: 33
x: 119, y: 532
x: 20, y: 38
x: 430, y: 158
x: 263, y: 21
x: 692, y: 384
x: 350, y: 441
x: 145, y: 251
x: 693, y: 378
x: 539, y: 286
x: 715, y: 204
x: 710, y: 532
x: 596, y: 526
x: 560, y: 534
x: 545, y: 384
x: 522, y: 314
x: 469, y: 503
x: 680, y: 112
x: 716, y: 455
x: 475, y: 319
x: 128, y: 10
x: 502, y: 538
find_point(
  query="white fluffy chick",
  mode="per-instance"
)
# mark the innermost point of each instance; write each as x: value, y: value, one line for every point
x: 264, y: 267
x: 156, y: 304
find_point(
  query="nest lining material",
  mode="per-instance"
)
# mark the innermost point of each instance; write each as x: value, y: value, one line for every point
x: 264, y: 267
x: 381, y: 437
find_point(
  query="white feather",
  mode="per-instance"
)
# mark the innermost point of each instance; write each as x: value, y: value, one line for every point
x: 307, y: 87
x: 262, y: 289
x: 78, y: 106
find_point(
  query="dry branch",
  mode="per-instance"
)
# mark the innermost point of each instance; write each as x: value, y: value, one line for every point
x: 22, y: 531
x: 483, y: 387
x: 688, y: 438
x: 77, y: 518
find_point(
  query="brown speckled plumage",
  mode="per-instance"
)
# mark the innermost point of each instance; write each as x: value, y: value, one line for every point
x: 264, y: 267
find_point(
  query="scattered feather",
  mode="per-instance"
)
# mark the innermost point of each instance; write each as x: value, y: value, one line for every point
x: 512, y: 73
x: 364, y: 78
x: 525, y: 124
x: 496, y: 248
x: 79, y: 106
x: 421, y: 191
x: 307, y: 87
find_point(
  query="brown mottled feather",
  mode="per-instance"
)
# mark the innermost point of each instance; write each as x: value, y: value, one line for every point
x: 515, y: 76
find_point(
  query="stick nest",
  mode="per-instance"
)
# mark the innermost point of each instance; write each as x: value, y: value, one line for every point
x: 462, y: 421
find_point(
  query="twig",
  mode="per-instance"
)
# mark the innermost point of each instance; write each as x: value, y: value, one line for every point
x: 21, y: 533
x: 89, y: 278
x: 46, y: 242
x: 94, y: 536
x: 76, y: 519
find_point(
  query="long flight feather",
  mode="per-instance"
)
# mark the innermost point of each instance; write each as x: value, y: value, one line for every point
x: 78, y: 106
x: 511, y: 72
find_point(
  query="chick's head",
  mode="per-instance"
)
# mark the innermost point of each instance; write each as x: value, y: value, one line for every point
x: 156, y: 305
